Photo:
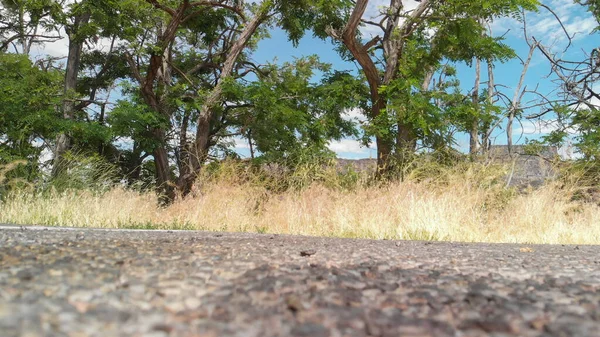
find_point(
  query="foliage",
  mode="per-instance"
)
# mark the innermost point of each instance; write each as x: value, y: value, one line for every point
x: 587, y: 124
x: 579, y: 128
x: 284, y: 114
x: 28, y: 112
x: 24, y: 23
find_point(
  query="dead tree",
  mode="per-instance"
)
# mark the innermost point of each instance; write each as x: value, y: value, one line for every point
x: 515, y: 104
x: 474, y: 130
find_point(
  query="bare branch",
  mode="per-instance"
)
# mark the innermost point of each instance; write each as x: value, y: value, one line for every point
x: 47, y: 38
x: 409, y: 25
x: 515, y: 103
x: 576, y: 83
x: 561, y: 24
x: 372, y: 23
x: 372, y: 43
x: 134, y: 69
x: 162, y: 7
x: 239, y: 11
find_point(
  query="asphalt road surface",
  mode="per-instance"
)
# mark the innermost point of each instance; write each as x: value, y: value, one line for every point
x: 60, y: 282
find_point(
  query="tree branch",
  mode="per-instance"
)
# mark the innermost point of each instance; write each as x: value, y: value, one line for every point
x: 158, y: 5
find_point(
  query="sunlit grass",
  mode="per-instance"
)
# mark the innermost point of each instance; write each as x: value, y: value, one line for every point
x: 464, y: 203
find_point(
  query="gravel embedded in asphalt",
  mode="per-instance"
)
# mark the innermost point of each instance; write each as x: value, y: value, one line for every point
x: 74, y: 282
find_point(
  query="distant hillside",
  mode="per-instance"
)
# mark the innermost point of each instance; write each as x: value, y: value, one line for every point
x: 529, y: 168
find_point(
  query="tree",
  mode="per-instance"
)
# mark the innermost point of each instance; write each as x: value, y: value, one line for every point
x: 81, y: 17
x: 189, y: 82
x: 156, y: 72
x: 199, y: 150
x: 577, y: 109
x: 28, y: 113
x: 25, y: 23
x: 283, y: 114
x: 457, y: 35
x: 186, y: 86
x: 86, y: 22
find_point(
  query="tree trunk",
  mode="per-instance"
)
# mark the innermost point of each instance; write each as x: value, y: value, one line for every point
x: 162, y: 169
x: 392, y: 42
x: 428, y: 77
x: 250, y: 144
x: 474, y: 130
x: 406, y: 145
x: 196, y: 156
x: 183, y: 153
x: 22, y: 39
x: 63, y: 140
x: 406, y: 139
x: 394, y: 38
x: 485, y: 137
x: 385, y: 146
x: 133, y: 164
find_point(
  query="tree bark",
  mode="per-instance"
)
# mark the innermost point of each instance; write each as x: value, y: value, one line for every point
x: 392, y: 41
x: 427, y: 80
x: 485, y: 137
x: 183, y: 153
x: 63, y: 140
x: 22, y: 39
x: 406, y: 142
x: 162, y: 169
x: 474, y: 130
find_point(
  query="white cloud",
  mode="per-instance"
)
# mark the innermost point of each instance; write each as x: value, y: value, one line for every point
x: 350, y: 146
x: 240, y: 143
x: 581, y: 26
x: 354, y: 114
x: 59, y: 48
x: 542, y: 127
x: 545, y: 26
x: 537, y: 127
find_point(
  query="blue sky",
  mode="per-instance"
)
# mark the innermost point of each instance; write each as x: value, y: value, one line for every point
x: 542, y: 25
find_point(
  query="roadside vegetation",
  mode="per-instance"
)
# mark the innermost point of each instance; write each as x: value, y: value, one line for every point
x: 464, y: 201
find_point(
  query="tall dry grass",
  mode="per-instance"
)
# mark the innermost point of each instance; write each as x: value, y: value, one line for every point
x: 465, y: 203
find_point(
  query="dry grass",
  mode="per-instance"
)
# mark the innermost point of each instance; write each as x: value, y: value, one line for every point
x: 467, y: 203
